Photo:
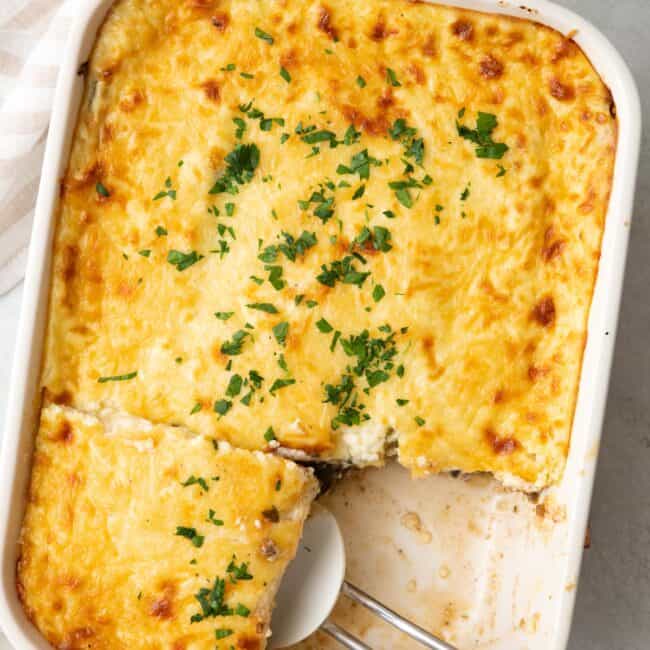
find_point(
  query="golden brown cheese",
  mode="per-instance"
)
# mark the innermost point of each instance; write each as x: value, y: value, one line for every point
x: 102, y: 565
x: 490, y: 271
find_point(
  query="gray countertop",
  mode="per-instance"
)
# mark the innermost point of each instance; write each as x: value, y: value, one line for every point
x: 613, y: 606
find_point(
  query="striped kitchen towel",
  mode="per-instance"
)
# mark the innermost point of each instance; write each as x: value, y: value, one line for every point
x: 32, y: 39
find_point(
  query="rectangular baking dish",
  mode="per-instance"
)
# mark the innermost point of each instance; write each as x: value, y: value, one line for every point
x: 516, y: 580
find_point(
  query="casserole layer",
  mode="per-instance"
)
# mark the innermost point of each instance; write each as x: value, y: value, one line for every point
x: 322, y: 225
x: 143, y: 536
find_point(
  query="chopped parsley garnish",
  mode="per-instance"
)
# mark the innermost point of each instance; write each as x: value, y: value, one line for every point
x: 401, y: 402
x: 351, y: 135
x: 403, y: 188
x: 241, y: 164
x: 389, y: 214
x: 253, y: 382
x: 222, y: 406
x: 224, y: 315
x: 281, y: 383
x: 481, y: 136
x: 191, y: 534
x: 359, y: 164
x: 263, y: 306
x: 465, y: 193
x: 213, y: 519
x: 419, y: 421
x: 275, y: 277
x: 361, y: 82
x: 406, y: 135
x: 284, y: 73
x: 229, y: 68
x: 502, y: 171
x: 182, y: 260
x: 126, y: 377
x: 247, y: 75
x: 100, y: 188
x: 322, y: 135
x: 241, y: 127
x: 379, y: 239
x: 374, y: 362
x: 269, y: 435
x: 280, y: 332
x: 238, y: 572
x: 161, y: 232
x: 324, y: 209
x: 278, y: 485
x: 222, y: 633
x: 323, y: 326
x: 145, y: 252
x: 242, y: 610
x: 378, y: 292
x: 234, y: 346
x: 391, y: 77
x: 223, y: 248
x: 266, y: 123
x: 342, y: 271
x: 166, y: 192
x: 196, y: 408
x: 264, y: 36
x: 359, y: 192
x: 212, y: 601
x: 234, y: 386
x: 291, y: 247
x: 196, y: 480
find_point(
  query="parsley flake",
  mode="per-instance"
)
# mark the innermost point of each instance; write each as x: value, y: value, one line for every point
x: 191, y: 534
x: 280, y: 332
x: 263, y: 306
x: 100, y: 188
x: 264, y: 36
x: 481, y: 136
x: 126, y: 377
x: 234, y: 346
x: 196, y: 480
x: 391, y: 78
x: 182, y: 260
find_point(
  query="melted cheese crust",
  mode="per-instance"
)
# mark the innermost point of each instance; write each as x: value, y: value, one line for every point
x: 100, y: 564
x: 495, y: 296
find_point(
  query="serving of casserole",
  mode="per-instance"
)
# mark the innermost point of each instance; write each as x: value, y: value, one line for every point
x: 346, y: 226
x: 312, y: 230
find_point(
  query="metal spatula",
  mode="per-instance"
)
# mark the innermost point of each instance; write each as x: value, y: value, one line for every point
x: 312, y: 585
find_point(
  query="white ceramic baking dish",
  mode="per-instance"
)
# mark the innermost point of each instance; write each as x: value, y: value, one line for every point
x: 463, y: 558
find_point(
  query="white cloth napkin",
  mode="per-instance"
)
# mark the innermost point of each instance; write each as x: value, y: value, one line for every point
x: 32, y: 40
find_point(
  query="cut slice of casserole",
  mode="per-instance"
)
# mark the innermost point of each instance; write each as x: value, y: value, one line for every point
x: 139, y: 536
x: 325, y: 225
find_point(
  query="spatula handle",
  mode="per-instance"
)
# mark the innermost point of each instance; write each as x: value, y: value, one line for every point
x: 343, y: 637
x: 413, y: 630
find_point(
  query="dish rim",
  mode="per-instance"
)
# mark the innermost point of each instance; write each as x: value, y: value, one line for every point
x: 24, y: 398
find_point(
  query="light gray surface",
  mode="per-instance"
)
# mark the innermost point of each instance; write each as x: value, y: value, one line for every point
x: 613, y: 607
